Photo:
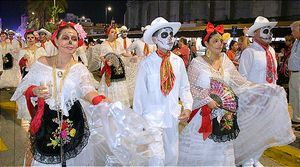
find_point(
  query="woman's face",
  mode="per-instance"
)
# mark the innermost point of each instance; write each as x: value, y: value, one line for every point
x: 30, y: 38
x: 3, y: 37
x: 112, y: 34
x: 235, y: 47
x: 67, y: 41
x: 215, y: 44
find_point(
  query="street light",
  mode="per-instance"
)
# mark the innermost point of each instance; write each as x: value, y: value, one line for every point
x: 106, y: 10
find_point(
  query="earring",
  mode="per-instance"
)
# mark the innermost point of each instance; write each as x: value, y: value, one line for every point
x: 208, y: 53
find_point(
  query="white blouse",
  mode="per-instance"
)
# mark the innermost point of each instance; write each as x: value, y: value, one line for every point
x: 77, y: 84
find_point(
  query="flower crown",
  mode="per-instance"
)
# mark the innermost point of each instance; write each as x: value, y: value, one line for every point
x: 81, y: 33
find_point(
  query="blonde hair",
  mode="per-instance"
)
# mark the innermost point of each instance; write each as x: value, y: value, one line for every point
x: 295, y: 23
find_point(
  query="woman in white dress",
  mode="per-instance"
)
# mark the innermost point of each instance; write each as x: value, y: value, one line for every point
x: 113, y: 82
x: 66, y: 128
x: 10, y: 76
x: 260, y: 121
x: 29, y: 54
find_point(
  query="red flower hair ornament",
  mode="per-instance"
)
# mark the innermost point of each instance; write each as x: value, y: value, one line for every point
x: 107, y: 29
x: 80, y: 31
x: 210, y: 29
x: 28, y: 31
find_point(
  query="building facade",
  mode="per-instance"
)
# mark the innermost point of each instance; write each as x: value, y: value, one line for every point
x: 141, y: 12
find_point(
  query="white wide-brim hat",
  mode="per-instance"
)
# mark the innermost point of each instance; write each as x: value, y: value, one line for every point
x: 11, y: 32
x: 259, y: 23
x: 123, y: 28
x: 157, y: 24
x: 44, y: 31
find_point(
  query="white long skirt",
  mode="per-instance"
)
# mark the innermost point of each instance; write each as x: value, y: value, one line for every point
x: 194, y: 151
x: 117, y: 91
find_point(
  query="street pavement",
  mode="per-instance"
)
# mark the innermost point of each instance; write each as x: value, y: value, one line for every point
x: 14, y: 135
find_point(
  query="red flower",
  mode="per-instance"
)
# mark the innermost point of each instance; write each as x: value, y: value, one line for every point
x: 64, y: 125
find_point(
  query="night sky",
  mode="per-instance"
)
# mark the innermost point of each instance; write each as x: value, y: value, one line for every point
x: 11, y: 11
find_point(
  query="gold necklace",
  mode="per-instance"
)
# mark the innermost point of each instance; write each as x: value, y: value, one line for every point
x: 113, y: 45
x: 63, y: 75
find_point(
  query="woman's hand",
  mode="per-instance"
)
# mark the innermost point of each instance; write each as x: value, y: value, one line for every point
x: 41, y: 92
x: 106, y: 100
x: 185, y: 115
x: 213, y: 104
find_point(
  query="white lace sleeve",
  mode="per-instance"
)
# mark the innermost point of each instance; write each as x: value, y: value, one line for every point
x: 236, y: 79
x: 86, y: 81
x: 28, y: 80
x: 199, y: 81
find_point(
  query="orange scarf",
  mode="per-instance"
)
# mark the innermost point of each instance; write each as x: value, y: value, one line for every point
x: 146, y: 49
x: 125, y: 44
x: 167, y: 77
x: 43, y: 44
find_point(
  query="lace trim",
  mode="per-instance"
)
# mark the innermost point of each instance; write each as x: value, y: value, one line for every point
x: 225, y: 138
x: 50, y: 159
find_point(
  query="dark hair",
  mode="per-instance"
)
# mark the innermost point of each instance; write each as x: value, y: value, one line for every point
x: 3, y: 32
x: 232, y: 43
x: 213, y: 33
x: 28, y: 32
x: 183, y: 40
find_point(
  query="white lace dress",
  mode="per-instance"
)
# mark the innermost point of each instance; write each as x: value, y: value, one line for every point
x: 262, y: 118
x: 104, y: 147
x: 117, y: 91
x: 10, y: 77
x: 32, y: 56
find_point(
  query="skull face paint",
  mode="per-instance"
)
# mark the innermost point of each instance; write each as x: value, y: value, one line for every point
x: 124, y: 34
x: 266, y: 34
x: 164, y: 38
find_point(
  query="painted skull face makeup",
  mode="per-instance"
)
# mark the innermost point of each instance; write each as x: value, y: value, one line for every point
x: 164, y: 38
x: 124, y: 34
x: 266, y: 34
x: 68, y: 40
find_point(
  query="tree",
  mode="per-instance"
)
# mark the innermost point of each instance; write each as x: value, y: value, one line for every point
x: 44, y: 10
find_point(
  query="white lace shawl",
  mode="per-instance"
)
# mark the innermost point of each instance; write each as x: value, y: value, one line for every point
x: 77, y: 84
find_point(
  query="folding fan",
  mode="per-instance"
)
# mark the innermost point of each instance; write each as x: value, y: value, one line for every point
x: 223, y: 95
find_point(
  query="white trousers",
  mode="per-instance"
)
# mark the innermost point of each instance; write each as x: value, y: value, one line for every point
x: 165, y: 147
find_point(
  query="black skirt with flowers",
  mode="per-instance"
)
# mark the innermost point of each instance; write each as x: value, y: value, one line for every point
x: 46, y: 143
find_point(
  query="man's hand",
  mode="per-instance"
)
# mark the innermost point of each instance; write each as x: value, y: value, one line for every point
x: 185, y: 115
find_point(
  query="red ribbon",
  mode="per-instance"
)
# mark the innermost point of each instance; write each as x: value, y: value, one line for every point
x: 37, y: 120
x: 22, y: 63
x: 28, y: 94
x: 210, y: 29
x: 97, y: 99
x: 106, y: 69
x: 206, y: 125
x: 62, y: 25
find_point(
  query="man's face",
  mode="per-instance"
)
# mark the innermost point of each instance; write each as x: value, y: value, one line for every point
x: 42, y: 36
x: 164, y: 38
x: 124, y: 33
x: 295, y: 31
x: 266, y: 34
x: 10, y: 36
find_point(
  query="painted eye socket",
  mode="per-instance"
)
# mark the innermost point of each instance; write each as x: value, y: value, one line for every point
x: 166, y: 34
x: 30, y: 37
x: 266, y: 31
